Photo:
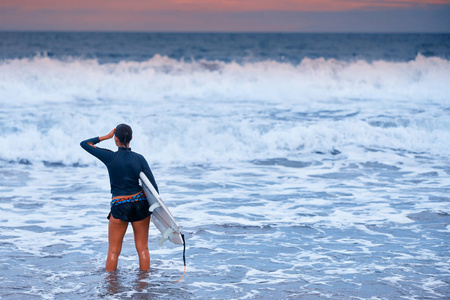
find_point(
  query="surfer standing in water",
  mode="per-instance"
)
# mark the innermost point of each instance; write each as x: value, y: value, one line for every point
x: 128, y: 203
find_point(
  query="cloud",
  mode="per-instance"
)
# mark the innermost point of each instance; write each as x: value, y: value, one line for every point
x: 211, y: 5
x: 417, y: 18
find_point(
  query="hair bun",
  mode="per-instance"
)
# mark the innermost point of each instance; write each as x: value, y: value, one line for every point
x: 124, y: 133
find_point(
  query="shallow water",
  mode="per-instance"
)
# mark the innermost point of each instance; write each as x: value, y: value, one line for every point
x: 327, y: 227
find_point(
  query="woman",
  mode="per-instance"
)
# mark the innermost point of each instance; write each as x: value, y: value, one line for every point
x: 128, y: 200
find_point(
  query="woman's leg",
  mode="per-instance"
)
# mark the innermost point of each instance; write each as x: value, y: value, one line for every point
x: 116, y: 231
x: 140, y: 229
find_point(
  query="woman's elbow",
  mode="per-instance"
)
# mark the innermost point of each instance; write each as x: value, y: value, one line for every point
x: 85, y: 145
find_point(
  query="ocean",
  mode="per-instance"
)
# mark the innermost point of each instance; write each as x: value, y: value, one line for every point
x: 298, y: 166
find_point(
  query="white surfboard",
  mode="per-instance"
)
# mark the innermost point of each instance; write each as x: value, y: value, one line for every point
x: 161, y: 216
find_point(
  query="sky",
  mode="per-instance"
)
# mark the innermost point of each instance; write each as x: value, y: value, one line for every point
x: 226, y: 15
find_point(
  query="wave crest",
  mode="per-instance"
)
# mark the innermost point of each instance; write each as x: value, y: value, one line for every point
x: 43, y: 79
x: 216, y: 111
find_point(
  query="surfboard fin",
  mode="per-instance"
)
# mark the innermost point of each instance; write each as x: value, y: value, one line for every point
x: 165, y: 236
x: 154, y: 206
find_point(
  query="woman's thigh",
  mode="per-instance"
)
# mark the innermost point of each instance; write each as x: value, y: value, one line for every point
x: 140, y: 229
x: 116, y: 231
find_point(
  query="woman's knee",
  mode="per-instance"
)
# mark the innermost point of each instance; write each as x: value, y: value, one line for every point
x: 141, y: 247
x: 112, y: 250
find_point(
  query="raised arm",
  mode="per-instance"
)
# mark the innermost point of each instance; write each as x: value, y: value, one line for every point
x: 100, y: 153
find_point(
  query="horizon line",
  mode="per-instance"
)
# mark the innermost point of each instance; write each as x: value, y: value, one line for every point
x: 219, y: 32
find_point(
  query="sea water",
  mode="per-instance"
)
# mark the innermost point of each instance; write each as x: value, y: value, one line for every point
x: 299, y: 166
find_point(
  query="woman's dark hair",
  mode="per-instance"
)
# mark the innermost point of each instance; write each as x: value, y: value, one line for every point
x: 124, y: 133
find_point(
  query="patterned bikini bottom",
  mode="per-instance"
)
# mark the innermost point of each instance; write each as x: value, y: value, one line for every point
x: 128, y: 199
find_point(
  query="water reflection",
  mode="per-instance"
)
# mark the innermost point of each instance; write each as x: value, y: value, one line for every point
x: 113, y: 283
x: 143, y: 281
x: 140, y: 285
x: 117, y: 283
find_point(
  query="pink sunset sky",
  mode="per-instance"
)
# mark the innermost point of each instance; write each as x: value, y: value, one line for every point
x: 227, y: 15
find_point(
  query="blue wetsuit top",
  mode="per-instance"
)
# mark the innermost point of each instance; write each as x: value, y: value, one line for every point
x: 123, y: 166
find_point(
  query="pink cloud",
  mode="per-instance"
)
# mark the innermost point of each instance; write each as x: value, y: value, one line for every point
x: 226, y: 15
x: 210, y: 5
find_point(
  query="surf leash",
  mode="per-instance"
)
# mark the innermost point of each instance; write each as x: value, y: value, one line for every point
x: 184, y: 258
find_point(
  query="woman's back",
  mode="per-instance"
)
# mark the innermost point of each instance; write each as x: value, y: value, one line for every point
x: 123, y: 166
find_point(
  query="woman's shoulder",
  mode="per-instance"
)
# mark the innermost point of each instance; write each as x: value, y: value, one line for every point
x: 140, y: 156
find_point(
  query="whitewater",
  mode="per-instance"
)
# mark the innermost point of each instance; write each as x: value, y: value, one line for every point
x: 261, y: 110
x: 323, y: 176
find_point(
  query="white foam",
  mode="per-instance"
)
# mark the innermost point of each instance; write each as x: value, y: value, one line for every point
x: 45, y: 79
x: 185, y: 139
x: 431, y: 283
x: 216, y: 111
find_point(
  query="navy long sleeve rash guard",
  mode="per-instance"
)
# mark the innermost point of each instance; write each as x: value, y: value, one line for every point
x: 123, y: 166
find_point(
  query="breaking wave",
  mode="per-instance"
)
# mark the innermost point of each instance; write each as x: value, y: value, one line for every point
x: 212, y: 110
x: 43, y: 79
